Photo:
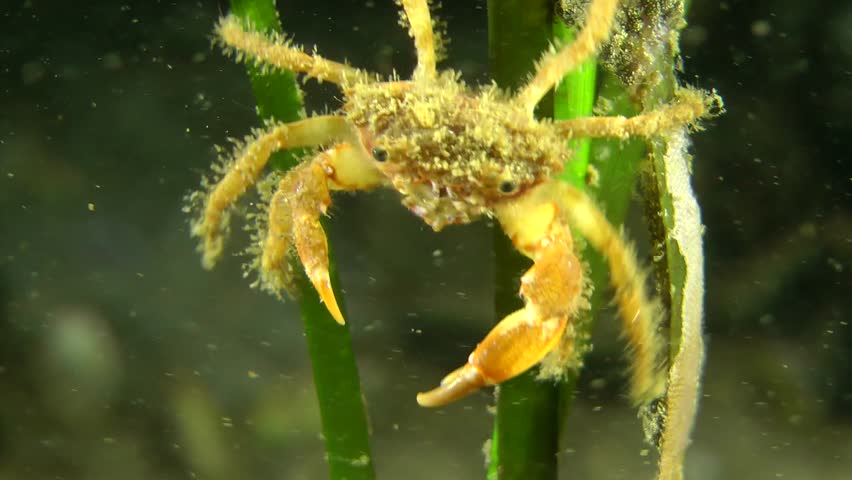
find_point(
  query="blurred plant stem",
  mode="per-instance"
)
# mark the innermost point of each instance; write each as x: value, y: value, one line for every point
x: 676, y: 233
x: 525, y: 442
x: 344, y: 419
x: 526, y: 431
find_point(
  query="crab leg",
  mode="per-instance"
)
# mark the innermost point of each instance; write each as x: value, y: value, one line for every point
x: 641, y: 316
x: 551, y: 288
x: 420, y: 27
x: 554, y: 65
x: 303, y: 195
x: 244, y: 170
x: 688, y: 106
x: 280, y: 53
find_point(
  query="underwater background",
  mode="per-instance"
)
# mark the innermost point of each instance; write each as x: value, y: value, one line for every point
x: 120, y: 357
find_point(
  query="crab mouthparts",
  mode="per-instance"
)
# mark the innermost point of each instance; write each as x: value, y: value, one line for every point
x: 440, y: 206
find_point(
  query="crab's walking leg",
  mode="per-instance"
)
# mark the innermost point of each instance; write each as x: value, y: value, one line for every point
x: 551, y: 288
x: 279, y: 53
x: 246, y: 167
x: 303, y: 195
x: 420, y: 27
x: 641, y: 316
x: 554, y: 65
x: 688, y: 107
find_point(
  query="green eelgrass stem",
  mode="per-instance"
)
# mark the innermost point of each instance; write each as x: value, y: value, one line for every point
x: 344, y: 419
x: 526, y: 435
x: 525, y: 442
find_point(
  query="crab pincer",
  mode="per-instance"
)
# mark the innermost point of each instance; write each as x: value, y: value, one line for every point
x: 303, y: 196
x: 552, y: 288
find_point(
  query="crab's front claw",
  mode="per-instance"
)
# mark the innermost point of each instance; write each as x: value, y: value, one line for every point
x: 513, y: 346
x: 322, y: 282
x: 302, y: 198
x: 313, y: 200
x: 462, y: 382
x: 552, y: 289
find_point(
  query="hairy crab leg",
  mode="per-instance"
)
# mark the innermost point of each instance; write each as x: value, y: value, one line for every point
x: 303, y: 195
x: 277, y: 51
x: 552, y: 288
x: 420, y: 27
x: 688, y: 107
x: 554, y: 65
x: 641, y: 316
x: 248, y: 162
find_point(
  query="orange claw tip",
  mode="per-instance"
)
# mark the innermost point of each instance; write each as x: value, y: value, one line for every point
x: 327, y: 296
x: 323, y: 285
x: 455, y: 386
x: 334, y: 310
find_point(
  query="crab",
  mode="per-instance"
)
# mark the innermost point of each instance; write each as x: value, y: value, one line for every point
x: 455, y: 154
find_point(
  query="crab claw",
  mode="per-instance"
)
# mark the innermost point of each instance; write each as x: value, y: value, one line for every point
x: 460, y: 383
x: 310, y: 202
x: 320, y: 278
x: 551, y: 287
x: 312, y: 247
x: 514, y: 345
x: 302, y: 198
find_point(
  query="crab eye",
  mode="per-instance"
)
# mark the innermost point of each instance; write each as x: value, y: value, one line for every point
x: 380, y: 154
x: 508, y: 187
